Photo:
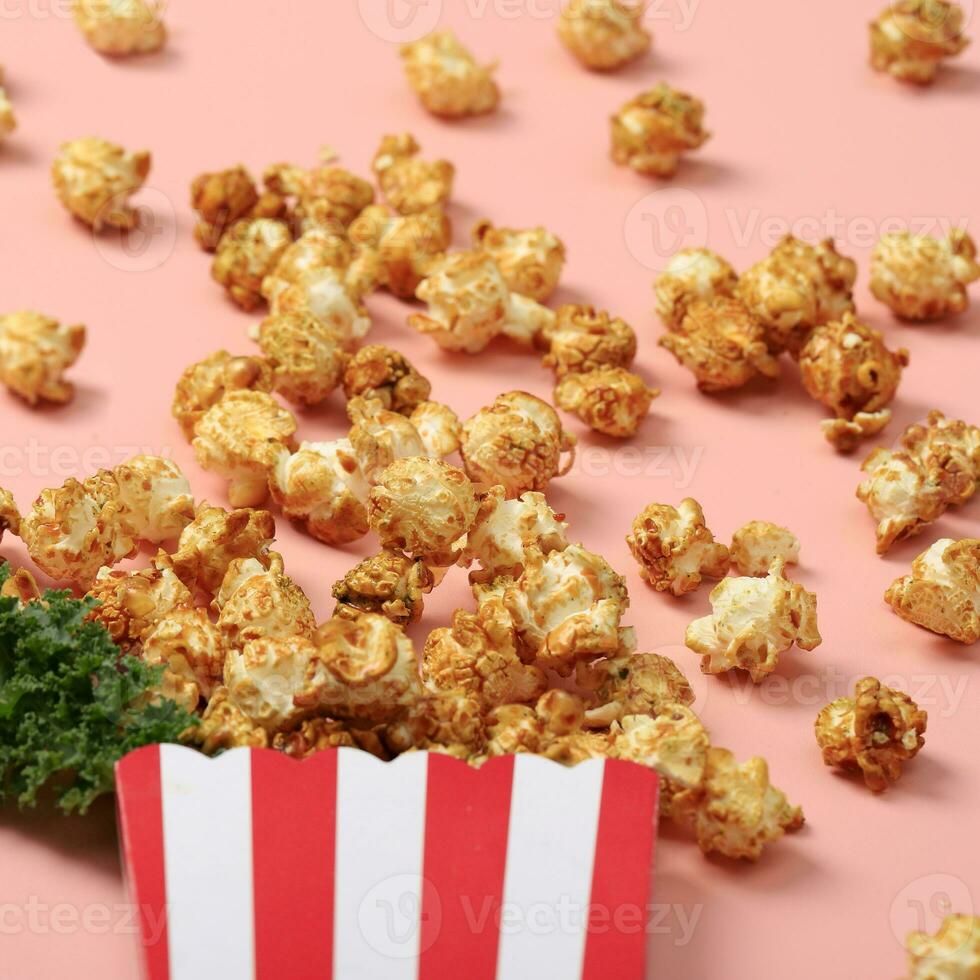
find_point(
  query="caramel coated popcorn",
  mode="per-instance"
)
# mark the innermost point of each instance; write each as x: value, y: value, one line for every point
x: 327, y: 197
x: 389, y: 583
x: 796, y: 288
x: 875, y: 731
x: 190, y: 649
x: 674, y: 547
x: 610, y: 400
x: 246, y: 254
x: 240, y: 438
x: 409, y: 184
x: 315, y: 249
x: 94, y: 180
x: 692, y: 275
x: 950, y: 449
x: 942, y: 593
x: 924, y: 278
x: 735, y: 810
x: 121, y: 27
x: 911, y: 38
x: 653, y: 130
x: 604, y: 34
x: 8, y: 121
x: 35, y: 351
x: 220, y: 199
x: 721, y: 344
x: 517, y: 442
x: 9, y: 514
x: 154, y: 498
x: 757, y: 544
x: 447, y: 78
x: 323, y: 292
x: 632, y: 684
x: 380, y: 372
x: 953, y: 953
x: 225, y: 726
x: 583, y: 339
x: 530, y: 259
x: 753, y: 621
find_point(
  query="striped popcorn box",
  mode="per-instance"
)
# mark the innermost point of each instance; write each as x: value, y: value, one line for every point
x: 253, y: 865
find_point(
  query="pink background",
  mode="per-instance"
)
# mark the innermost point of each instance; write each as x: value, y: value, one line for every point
x: 803, y: 129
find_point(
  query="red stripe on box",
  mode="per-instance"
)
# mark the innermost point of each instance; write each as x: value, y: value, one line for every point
x: 464, y: 858
x: 294, y: 820
x: 139, y: 801
x: 615, y: 944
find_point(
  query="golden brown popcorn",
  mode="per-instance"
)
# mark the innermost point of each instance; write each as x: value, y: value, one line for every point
x: 35, y: 351
x: 950, y: 449
x: 911, y: 38
x: 552, y: 728
x: 259, y: 600
x: 240, y: 438
x: 478, y: 655
x: 757, y: 544
x: 395, y: 434
x: 389, y: 583
x: 953, y: 953
x: 924, y: 278
x: 247, y: 253
x: 674, y: 547
x: 315, y: 249
x: 9, y: 514
x: 736, y: 810
x: 94, y: 180
x: 653, y: 130
x: 396, y: 251
x: 21, y: 585
x: 214, y: 539
x: 121, y: 27
x: 721, y: 344
x: 449, y: 722
x: 376, y: 371
x: 220, y: 199
x: 604, y: 34
x: 795, y: 288
x: 422, y: 507
x: 447, y: 78
x: 409, y: 184
x: 845, y: 435
x: 323, y: 292
x: 204, y: 384
x: 8, y: 121
x: 875, y: 731
x: 943, y: 591
x: 306, y: 354
x: 517, y: 442
x: 583, y: 339
x: 314, y: 735
x: 327, y: 197
x: 753, y: 621
x: 505, y: 529
x: 225, y: 726
x: 438, y: 427
x: 610, y: 400
x: 530, y: 259
x: 189, y: 648
x: 154, y: 497
x: 692, y: 275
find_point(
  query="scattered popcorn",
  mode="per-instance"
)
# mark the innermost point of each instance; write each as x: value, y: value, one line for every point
x: 326, y: 197
x: 530, y: 260
x: 610, y: 400
x: 950, y: 449
x: 246, y: 254
x: 953, y: 953
x: 9, y: 514
x: 449, y: 723
x: 225, y: 197
x: 121, y: 27
x: 240, y: 438
x: 22, y: 586
x: 205, y: 383
x: 674, y: 547
x: 875, y: 732
x: 438, y: 427
x: 846, y: 366
x: 447, y: 78
x: 411, y: 185
x: 314, y: 249
x: 527, y: 321
x: 516, y: 442
x: 736, y: 810
x: 323, y: 293
x: 422, y: 507
x: 692, y: 275
x: 94, y: 180
x: 225, y: 726
x: 380, y: 372
x: 395, y: 434
x: 721, y: 344
x: 306, y: 355
x: 753, y: 620
x: 583, y: 339
x: 924, y: 278
x: 943, y: 591
x: 35, y: 351
x: 911, y: 38
x: 796, y: 288
x: 154, y: 498
x: 189, y: 648
x: 604, y: 34
x: 8, y: 121
x: 551, y: 728
x: 756, y: 545
x: 389, y: 583
x: 651, y: 131
x: 314, y: 735
x: 214, y: 539
x: 845, y: 435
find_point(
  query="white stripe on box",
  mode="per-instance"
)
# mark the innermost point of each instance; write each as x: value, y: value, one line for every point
x: 380, y: 837
x: 554, y: 816
x: 207, y: 834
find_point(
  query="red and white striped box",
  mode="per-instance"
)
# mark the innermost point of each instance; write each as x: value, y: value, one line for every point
x: 253, y: 866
